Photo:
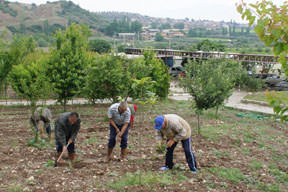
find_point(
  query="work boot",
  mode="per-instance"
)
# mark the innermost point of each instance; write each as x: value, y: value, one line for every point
x: 72, y: 156
x: 123, y: 153
x: 58, y: 155
x: 109, y: 152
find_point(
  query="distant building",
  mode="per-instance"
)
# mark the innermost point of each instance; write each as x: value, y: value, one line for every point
x: 127, y: 36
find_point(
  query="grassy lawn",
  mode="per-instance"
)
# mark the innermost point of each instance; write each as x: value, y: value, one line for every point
x: 261, y: 96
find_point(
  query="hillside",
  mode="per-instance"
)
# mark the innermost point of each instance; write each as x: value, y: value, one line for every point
x: 43, y: 20
x: 29, y: 18
x: 25, y: 18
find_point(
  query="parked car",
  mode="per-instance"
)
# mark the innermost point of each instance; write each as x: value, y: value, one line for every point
x: 175, y: 71
x: 281, y: 86
x: 273, y: 80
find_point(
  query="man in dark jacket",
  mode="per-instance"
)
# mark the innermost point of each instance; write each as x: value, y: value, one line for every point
x: 66, y: 129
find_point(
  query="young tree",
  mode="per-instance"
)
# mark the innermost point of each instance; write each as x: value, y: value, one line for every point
x: 107, y: 78
x: 209, y: 82
x: 28, y: 79
x: 67, y: 62
x: 207, y: 45
x: 14, y: 55
x: 100, y: 46
x: 136, y: 27
x: 159, y: 37
x: 159, y: 74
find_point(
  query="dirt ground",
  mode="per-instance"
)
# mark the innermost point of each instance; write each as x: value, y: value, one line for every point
x: 255, y: 148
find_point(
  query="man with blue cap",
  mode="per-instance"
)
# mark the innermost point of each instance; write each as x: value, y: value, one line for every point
x: 175, y: 129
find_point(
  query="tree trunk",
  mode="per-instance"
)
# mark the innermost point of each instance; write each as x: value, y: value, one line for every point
x: 217, y: 109
x: 65, y: 102
x: 5, y: 91
x: 36, y: 132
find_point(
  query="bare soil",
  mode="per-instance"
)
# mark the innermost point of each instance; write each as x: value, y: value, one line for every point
x: 18, y: 162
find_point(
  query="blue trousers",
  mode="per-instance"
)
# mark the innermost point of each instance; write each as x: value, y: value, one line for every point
x: 113, y: 134
x: 190, y: 158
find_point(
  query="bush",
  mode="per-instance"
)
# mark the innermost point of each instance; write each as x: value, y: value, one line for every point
x: 121, y: 48
x: 107, y: 78
x: 110, y: 76
x: 28, y: 79
x: 6, y: 9
x: 159, y: 74
x: 249, y: 82
x: 254, y: 84
x: 100, y: 46
x: 67, y: 63
x: 209, y: 82
x: 35, y: 28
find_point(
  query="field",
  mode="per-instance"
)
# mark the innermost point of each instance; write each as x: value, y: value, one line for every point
x: 233, y: 154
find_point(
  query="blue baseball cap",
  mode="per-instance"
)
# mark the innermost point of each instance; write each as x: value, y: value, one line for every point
x: 159, y: 120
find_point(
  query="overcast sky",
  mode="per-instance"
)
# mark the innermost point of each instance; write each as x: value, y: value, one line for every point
x: 197, y: 9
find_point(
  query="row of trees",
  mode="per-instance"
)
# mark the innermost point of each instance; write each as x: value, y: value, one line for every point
x: 69, y: 70
x: 123, y: 26
x: 156, y: 25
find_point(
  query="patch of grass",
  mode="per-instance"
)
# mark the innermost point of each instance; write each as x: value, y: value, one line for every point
x: 214, y: 132
x: 213, y: 115
x: 280, y: 176
x: 261, y: 96
x: 218, y: 153
x: 41, y: 143
x: 15, y: 188
x: 131, y: 179
x: 256, y: 165
x: 248, y: 137
x: 90, y: 141
x: 245, y: 150
x: 161, y: 149
x: 233, y: 174
x: 49, y: 163
x: 15, y: 143
x: 268, y: 187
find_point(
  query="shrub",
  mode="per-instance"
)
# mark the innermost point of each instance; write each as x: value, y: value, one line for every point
x: 209, y: 82
x: 4, y: 6
x: 67, y: 63
x: 159, y: 74
x: 100, y: 46
x: 28, y: 79
x: 107, y: 78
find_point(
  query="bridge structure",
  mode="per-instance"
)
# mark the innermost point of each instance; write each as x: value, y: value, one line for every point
x: 249, y: 58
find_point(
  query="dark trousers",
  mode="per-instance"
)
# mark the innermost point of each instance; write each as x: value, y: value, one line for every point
x: 113, y: 134
x: 48, y: 129
x: 190, y: 158
x: 70, y: 148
